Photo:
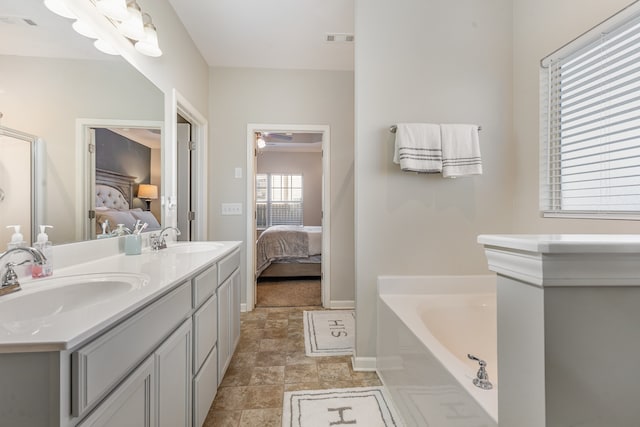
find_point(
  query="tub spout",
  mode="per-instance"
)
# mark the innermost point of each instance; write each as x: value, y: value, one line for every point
x: 482, y: 377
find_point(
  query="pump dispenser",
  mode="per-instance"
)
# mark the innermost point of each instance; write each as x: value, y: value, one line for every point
x: 17, y: 241
x: 46, y: 247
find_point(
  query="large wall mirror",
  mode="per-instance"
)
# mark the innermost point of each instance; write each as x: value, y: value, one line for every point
x: 50, y: 79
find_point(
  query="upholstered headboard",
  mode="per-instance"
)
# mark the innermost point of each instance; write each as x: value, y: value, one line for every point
x: 114, y: 190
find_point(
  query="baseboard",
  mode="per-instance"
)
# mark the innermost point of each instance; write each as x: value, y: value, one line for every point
x: 363, y: 363
x: 342, y: 305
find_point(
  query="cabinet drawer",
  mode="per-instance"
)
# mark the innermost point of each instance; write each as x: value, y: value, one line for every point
x: 204, y: 388
x: 101, y: 364
x: 205, y: 327
x: 204, y: 285
x: 227, y: 265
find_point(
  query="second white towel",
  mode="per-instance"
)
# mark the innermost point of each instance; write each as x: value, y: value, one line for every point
x: 460, y: 150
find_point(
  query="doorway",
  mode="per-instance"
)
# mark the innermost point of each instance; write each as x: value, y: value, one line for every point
x: 279, y: 205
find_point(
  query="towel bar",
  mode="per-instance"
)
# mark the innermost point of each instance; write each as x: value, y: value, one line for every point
x: 394, y: 128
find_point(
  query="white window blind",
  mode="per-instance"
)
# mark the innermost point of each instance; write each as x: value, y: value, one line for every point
x: 590, y: 102
x: 278, y: 200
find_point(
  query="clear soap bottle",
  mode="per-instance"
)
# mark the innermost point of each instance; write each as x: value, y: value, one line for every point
x: 46, y: 247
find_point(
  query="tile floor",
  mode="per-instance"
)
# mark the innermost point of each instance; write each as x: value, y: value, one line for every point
x: 270, y: 360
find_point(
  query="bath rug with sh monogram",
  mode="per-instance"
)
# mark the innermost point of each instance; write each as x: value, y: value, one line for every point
x: 362, y: 406
x: 329, y: 332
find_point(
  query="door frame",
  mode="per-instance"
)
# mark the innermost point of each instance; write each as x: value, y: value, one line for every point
x: 199, y: 135
x: 86, y: 181
x: 252, y: 128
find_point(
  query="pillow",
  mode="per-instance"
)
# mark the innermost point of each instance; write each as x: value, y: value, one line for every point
x: 146, y: 216
x: 116, y: 217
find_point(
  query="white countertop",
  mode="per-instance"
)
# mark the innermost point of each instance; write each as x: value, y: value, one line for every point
x: 164, y: 270
x: 564, y: 243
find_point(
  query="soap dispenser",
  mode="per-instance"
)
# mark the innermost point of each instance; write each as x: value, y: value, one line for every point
x: 17, y: 241
x: 46, y: 247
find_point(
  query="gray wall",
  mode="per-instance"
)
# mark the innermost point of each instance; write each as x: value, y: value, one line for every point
x: 242, y: 96
x: 309, y: 165
x: 437, y: 61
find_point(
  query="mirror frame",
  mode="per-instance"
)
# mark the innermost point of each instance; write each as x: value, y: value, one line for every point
x: 37, y: 174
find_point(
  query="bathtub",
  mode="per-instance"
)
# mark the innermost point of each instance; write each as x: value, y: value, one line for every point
x: 426, y: 327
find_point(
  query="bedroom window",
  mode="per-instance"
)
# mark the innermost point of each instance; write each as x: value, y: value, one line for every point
x: 590, y: 104
x: 278, y: 200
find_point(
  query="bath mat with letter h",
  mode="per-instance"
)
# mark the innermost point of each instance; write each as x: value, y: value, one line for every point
x: 329, y: 333
x: 366, y: 407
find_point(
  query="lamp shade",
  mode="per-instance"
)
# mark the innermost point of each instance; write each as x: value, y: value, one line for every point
x: 147, y: 191
x: 114, y: 9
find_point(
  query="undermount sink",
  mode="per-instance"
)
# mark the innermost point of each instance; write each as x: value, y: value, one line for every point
x: 192, y: 247
x: 44, y: 298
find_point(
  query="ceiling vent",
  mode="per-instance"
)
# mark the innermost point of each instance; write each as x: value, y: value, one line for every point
x: 338, y: 38
x: 17, y: 20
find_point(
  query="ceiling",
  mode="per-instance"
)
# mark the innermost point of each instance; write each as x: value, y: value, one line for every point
x: 281, y: 34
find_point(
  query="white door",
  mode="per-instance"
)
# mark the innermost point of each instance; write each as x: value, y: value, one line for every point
x: 185, y: 207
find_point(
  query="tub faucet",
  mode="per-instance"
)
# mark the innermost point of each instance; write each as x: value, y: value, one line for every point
x: 158, y: 241
x: 482, y: 378
x: 10, y: 282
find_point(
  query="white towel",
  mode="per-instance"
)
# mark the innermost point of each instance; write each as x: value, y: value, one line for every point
x: 418, y: 147
x: 460, y: 150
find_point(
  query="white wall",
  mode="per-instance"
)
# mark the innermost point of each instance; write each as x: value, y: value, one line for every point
x: 540, y: 27
x: 44, y: 97
x: 428, y: 61
x: 242, y: 96
x: 309, y: 165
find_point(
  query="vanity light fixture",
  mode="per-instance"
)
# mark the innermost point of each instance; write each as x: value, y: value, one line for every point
x: 105, y: 47
x: 125, y: 16
x: 114, y: 9
x: 132, y: 27
x: 148, y: 192
x: 148, y: 45
x: 261, y: 142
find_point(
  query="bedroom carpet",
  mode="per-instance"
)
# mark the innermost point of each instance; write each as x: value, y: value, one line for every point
x: 289, y: 293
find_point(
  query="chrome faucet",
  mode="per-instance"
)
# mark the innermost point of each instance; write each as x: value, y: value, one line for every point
x: 482, y: 378
x: 10, y: 278
x: 158, y: 241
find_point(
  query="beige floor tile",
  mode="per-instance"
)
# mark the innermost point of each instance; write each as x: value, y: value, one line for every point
x: 264, y: 396
x: 261, y: 418
x: 222, y: 419
x: 248, y: 345
x: 334, y: 372
x: 299, y: 358
x: 276, y: 333
x: 236, y: 377
x: 230, y: 398
x: 269, y: 375
x: 240, y: 360
x: 302, y: 386
x: 276, y: 323
x: 270, y: 358
x: 301, y: 374
x: 273, y: 344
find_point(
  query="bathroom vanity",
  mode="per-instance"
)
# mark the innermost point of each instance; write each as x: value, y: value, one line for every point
x: 125, y: 340
x: 568, y: 328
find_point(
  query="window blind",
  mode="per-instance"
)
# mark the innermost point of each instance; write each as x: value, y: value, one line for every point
x: 590, y: 101
x: 279, y: 200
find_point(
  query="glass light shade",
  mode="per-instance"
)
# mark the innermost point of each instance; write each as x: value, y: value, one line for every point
x: 59, y: 8
x: 149, y: 44
x: 147, y: 191
x: 84, y: 29
x: 114, y: 9
x: 133, y: 26
x: 105, y: 47
x: 261, y: 143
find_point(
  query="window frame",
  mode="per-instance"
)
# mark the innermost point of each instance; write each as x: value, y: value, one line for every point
x: 550, y: 191
x: 270, y: 201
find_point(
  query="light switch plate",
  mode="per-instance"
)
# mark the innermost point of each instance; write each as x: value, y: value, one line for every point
x: 238, y: 173
x: 231, y: 209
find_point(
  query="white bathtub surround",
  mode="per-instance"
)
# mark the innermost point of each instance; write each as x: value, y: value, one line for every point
x: 567, y: 328
x: 366, y: 406
x: 426, y: 327
x: 329, y: 333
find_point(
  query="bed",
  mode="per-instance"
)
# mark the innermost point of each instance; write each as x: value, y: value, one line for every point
x: 289, y: 251
x: 113, y: 201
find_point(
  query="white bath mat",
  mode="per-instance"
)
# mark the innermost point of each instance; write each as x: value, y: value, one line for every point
x: 365, y: 407
x: 329, y: 333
